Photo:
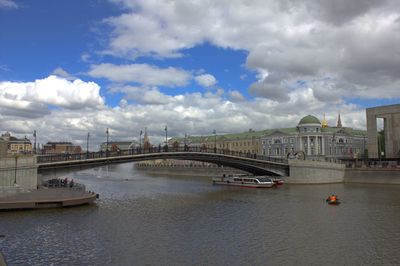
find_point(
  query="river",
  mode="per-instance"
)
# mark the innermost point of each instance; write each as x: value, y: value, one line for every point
x: 185, y: 220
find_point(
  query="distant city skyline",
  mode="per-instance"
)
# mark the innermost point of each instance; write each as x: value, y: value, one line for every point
x: 72, y: 67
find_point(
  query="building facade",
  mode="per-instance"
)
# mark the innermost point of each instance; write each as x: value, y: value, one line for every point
x: 315, y: 140
x: 16, y: 145
x: 119, y: 145
x: 61, y: 148
x: 246, y: 142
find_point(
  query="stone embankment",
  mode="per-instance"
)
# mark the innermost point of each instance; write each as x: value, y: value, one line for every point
x: 315, y: 172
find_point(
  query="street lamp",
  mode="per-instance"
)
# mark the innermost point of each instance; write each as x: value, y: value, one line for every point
x: 140, y: 141
x: 34, y: 146
x: 166, y: 138
x: 15, y: 172
x: 215, y: 140
x: 107, y: 143
x: 87, y: 145
x: 25, y: 145
x: 185, y: 148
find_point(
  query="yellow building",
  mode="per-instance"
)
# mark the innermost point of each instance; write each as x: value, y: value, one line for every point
x: 246, y: 142
x: 15, y: 145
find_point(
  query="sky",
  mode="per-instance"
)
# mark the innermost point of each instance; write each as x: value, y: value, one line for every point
x: 72, y: 67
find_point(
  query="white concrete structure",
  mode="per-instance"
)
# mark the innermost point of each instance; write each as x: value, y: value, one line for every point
x: 18, y: 172
x: 391, y: 127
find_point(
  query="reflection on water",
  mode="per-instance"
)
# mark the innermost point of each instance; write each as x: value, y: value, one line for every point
x: 168, y: 220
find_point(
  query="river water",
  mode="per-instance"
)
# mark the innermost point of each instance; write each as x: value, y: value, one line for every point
x: 184, y: 220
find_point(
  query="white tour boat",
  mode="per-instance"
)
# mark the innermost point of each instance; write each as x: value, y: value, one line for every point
x: 244, y: 181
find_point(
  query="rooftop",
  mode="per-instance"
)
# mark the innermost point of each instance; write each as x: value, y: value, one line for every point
x: 309, y: 119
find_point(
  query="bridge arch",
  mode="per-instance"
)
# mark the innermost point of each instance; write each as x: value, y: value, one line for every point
x: 255, y: 166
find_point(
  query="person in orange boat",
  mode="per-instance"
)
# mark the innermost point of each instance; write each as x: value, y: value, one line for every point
x: 332, y: 198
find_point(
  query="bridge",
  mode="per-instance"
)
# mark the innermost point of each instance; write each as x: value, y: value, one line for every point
x: 252, y: 163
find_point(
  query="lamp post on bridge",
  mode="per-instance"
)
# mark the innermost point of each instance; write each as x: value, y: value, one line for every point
x: 87, y: 145
x: 34, y: 146
x: 107, y: 143
x: 140, y: 141
x: 215, y: 140
x: 166, y: 138
x: 185, y: 147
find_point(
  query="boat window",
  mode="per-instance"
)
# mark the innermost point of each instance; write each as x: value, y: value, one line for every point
x: 264, y: 179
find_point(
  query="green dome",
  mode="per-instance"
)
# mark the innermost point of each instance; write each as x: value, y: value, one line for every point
x: 310, y: 119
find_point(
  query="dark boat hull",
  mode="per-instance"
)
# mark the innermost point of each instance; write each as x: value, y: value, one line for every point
x: 333, y: 202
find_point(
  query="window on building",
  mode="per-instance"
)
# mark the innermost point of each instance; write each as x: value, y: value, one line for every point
x: 278, y: 151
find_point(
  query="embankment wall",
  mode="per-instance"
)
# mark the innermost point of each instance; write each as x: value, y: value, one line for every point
x: 372, y: 176
x: 314, y: 172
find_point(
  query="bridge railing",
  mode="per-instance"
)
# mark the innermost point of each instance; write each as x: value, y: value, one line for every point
x: 137, y: 151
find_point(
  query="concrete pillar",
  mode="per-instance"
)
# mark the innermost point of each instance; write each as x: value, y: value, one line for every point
x: 391, y: 115
x: 18, y: 172
x: 301, y: 143
x: 323, y: 145
x: 308, y: 146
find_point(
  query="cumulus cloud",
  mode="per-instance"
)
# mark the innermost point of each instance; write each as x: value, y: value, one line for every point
x: 236, y: 96
x: 205, y: 80
x: 8, y: 4
x: 60, y: 72
x: 309, y: 57
x: 193, y: 113
x: 141, y: 73
x: 144, y: 95
x: 352, y: 41
x: 53, y: 91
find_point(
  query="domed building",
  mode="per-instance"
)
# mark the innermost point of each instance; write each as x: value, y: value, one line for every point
x: 314, y: 140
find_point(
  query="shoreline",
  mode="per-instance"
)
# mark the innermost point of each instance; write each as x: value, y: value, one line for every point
x: 387, y: 176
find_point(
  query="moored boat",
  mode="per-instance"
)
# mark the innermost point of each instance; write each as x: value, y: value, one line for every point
x: 245, y: 181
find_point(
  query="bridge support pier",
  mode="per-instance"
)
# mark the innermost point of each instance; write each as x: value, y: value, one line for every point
x: 314, y: 172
